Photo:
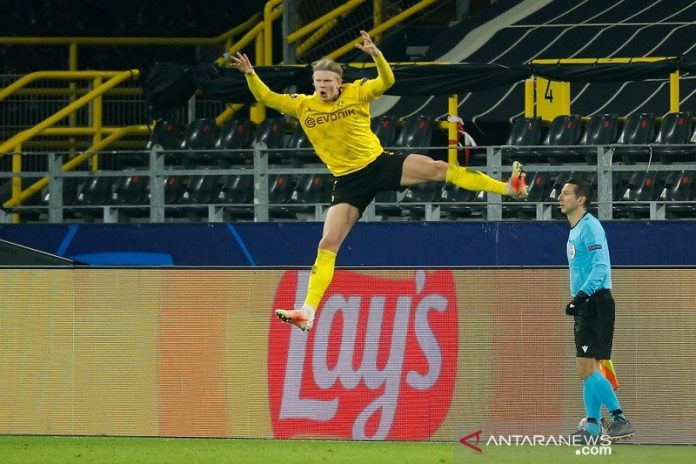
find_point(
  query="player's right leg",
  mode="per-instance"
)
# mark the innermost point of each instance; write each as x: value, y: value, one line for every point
x: 421, y: 168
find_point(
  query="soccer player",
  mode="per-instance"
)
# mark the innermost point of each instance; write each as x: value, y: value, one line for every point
x: 336, y: 119
x: 592, y: 307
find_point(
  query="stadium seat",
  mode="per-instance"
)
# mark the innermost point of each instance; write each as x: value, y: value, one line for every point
x: 452, y: 198
x: 640, y: 191
x: 166, y: 135
x: 270, y: 132
x: 173, y: 189
x: 302, y: 149
x: 199, y: 190
x: 238, y: 191
x: 679, y: 188
x: 416, y: 133
x: 415, y: 197
x: 130, y: 190
x: 200, y: 134
x: 525, y: 132
x: 280, y: 187
x: 233, y: 136
x: 72, y: 186
x: 601, y: 129
x: 564, y: 131
x: 386, y: 205
x: 312, y: 188
x: 639, y: 129
x: 97, y: 190
x: 674, y: 130
x: 384, y: 128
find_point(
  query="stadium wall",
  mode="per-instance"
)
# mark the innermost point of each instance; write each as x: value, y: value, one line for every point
x: 400, y: 354
x: 633, y: 243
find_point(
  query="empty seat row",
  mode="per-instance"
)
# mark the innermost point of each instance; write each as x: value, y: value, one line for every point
x: 637, y: 140
x: 202, y: 143
x: 631, y: 194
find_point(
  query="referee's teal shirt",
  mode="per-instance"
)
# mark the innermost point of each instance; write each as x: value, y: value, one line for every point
x: 588, y: 257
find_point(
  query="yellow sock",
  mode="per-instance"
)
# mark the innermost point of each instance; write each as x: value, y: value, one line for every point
x: 322, y: 274
x: 471, y: 179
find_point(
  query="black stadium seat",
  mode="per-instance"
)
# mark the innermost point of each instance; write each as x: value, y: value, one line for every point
x: 416, y: 134
x: 639, y: 129
x: 601, y: 129
x: 385, y: 129
x: 452, y: 196
x: 200, y: 190
x: 200, y: 134
x: 234, y: 135
x: 564, y: 132
x: 674, y: 130
x: 303, y: 150
x: 97, y: 190
x: 130, y: 190
x: 166, y: 135
x: 415, y: 197
x: 270, y: 132
x: 640, y: 190
x: 525, y: 132
x: 679, y: 188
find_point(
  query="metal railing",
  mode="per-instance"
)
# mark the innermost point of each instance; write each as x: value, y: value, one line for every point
x: 54, y: 208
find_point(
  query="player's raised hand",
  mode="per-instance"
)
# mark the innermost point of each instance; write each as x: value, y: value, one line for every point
x: 368, y: 46
x: 242, y: 62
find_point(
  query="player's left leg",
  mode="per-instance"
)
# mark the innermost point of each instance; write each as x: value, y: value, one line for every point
x: 420, y: 168
x: 339, y: 221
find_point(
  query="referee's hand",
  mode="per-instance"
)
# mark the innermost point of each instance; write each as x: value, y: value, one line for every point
x: 576, y: 306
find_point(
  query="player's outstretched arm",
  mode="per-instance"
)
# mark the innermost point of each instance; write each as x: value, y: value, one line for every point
x: 368, y: 46
x: 385, y: 75
x: 281, y: 102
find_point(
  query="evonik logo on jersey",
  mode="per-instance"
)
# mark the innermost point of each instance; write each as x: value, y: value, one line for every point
x: 380, y: 362
x: 329, y: 117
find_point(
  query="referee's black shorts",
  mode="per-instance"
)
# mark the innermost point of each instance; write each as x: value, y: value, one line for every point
x: 594, y: 327
x: 360, y: 187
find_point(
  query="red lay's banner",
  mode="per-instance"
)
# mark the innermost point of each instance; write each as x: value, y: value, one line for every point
x: 380, y: 362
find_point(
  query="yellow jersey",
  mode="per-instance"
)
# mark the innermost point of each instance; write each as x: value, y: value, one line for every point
x: 339, y: 130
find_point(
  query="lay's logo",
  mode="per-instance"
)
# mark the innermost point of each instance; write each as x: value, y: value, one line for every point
x: 380, y: 362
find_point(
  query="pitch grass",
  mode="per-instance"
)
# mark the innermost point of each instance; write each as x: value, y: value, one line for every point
x: 35, y: 449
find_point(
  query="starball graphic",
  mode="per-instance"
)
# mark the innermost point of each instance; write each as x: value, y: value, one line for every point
x: 380, y: 362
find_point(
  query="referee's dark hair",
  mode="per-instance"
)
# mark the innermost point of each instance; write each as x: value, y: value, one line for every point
x: 582, y: 189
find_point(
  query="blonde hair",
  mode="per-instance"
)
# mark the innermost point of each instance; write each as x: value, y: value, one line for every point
x: 327, y: 64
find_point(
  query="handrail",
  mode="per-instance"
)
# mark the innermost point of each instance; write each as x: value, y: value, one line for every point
x: 35, y: 76
x: 384, y: 26
x: 25, y: 135
x: 270, y: 13
x: 321, y: 21
x: 76, y: 161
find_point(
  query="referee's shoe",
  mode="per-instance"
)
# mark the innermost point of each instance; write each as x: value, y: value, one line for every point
x: 620, y: 428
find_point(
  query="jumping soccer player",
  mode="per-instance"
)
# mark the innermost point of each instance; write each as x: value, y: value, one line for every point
x: 593, y: 308
x: 336, y: 119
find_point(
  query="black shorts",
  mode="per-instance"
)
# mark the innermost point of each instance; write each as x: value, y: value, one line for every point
x: 360, y: 187
x: 594, y: 329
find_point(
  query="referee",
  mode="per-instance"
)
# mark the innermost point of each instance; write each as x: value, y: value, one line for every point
x: 592, y: 308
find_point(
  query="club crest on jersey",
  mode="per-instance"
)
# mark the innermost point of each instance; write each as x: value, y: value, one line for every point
x: 571, y: 250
